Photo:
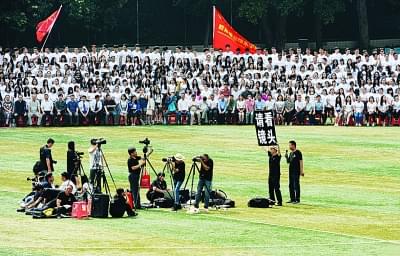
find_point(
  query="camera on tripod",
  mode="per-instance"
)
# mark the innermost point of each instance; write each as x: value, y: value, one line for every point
x: 40, y: 177
x: 197, y: 159
x: 78, y: 156
x: 169, y: 159
x: 146, y: 143
x: 100, y: 141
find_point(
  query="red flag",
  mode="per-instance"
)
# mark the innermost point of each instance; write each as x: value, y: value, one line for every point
x: 44, y: 27
x: 224, y: 34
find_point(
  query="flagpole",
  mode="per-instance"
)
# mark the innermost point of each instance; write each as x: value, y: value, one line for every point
x: 48, y: 34
x: 213, y: 25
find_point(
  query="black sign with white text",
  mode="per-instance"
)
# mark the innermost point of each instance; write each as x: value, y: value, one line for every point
x: 265, y: 128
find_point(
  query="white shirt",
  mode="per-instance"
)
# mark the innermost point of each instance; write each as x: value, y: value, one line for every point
x: 183, y: 105
x: 371, y: 107
x: 47, y: 105
x: 299, y: 105
x: 359, y: 107
x: 66, y: 183
x: 94, y: 158
x: 95, y: 104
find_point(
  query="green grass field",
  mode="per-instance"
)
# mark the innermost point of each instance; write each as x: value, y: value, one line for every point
x: 350, y: 194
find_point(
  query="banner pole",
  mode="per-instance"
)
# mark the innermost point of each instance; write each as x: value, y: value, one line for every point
x: 213, y: 25
x: 48, y: 34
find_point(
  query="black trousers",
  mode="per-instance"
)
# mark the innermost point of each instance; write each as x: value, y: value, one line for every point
x: 134, y: 185
x: 294, y: 186
x: 289, y: 116
x: 152, y: 195
x: 95, y: 179
x: 274, y: 188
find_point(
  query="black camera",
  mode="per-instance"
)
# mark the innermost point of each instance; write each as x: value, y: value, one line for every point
x: 145, y: 141
x: 100, y: 141
x: 169, y: 159
x: 80, y: 154
x: 196, y: 159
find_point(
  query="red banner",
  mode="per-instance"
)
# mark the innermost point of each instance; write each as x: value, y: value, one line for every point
x: 44, y: 27
x: 224, y: 34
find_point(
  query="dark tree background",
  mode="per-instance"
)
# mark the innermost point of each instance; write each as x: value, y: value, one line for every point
x: 189, y: 22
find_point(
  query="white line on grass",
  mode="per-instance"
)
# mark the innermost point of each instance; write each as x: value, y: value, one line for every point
x: 309, y: 229
x: 203, y: 247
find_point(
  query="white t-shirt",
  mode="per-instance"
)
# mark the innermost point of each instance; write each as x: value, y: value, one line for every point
x: 47, y: 105
x: 94, y: 158
x: 299, y: 105
x: 67, y: 183
x: 371, y: 107
x: 359, y: 107
x: 183, y: 105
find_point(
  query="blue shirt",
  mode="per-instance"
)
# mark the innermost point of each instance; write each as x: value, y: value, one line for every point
x: 142, y: 103
x: 222, y: 105
x: 171, y: 104
x: 319, y: 106
x: 72, y: 106
x: 132, y: 106
x: 260, y: 105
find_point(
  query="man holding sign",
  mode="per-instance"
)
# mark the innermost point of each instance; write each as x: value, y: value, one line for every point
x: 266, y: 136
x: 274, y: 176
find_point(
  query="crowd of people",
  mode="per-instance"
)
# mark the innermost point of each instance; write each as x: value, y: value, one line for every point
x: 123, y: 86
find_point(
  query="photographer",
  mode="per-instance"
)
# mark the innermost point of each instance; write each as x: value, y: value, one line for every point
x: 46, y: 159
x: 65, y: 178
x: 48, y: 181
x: 295, y: 161
x: 64, y: 201
x: 72, y: 159
x: 96, y: 164
x: 158, y: 188
x: 134, y: 165
x: 34, y: 200
x: 205, y: 180
x: 274, y: 155
x: 120, y: 205
x: 178, y: 169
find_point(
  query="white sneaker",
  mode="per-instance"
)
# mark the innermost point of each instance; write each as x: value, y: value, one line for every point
x: 205, y: 210
x: 194, y: 210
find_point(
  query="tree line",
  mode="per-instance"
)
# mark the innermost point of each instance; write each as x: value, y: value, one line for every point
x: 186, y: 22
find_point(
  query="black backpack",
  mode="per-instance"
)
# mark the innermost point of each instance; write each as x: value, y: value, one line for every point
x: 219, y: 197
x: 37, y: 167
x: 260, y: 202
x: 163, y: 203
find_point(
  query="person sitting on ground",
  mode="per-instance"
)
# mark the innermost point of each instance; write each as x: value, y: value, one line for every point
x: 48, y: 181
x: 158, y: 188
x: 120, y: 205
x: 64, y: 201
x: 35, y: 200
x: 66, y: 181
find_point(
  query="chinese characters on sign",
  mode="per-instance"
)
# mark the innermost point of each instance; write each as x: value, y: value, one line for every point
x: 265, y: 128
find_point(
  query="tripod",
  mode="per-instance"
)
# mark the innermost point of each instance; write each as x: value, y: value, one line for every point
x: 78, y: 170
x: 100, y: 175
x: 192, y: 173
x: 168, y: 166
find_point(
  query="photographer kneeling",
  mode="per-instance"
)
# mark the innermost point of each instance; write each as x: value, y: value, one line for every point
x: 205, y: 180
x: 158, y: 188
